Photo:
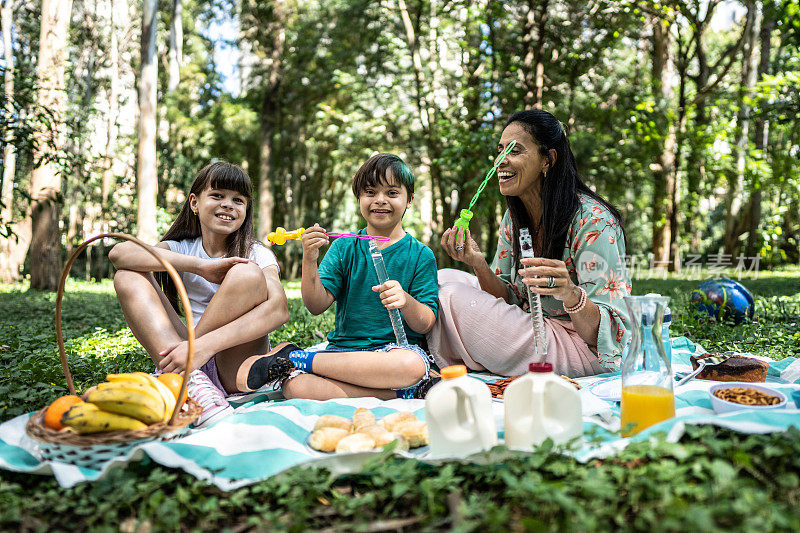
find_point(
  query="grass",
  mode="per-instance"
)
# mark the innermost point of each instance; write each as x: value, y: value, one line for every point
x: 712, y: 479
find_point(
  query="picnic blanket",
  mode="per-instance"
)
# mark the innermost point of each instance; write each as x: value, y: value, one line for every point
x: 266, y: 436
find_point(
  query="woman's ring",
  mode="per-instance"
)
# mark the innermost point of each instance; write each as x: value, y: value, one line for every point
x: 551, y: 282
x: 459, y: 247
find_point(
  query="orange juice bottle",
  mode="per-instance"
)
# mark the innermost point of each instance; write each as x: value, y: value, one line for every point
x: 647, y: 396
x: 645, y: 405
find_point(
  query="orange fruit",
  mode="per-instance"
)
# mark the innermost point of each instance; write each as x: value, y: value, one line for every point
x: 172, y: 381
x: 54, y: 411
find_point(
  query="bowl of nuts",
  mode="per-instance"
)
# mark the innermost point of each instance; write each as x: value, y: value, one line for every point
x: 734, y: 396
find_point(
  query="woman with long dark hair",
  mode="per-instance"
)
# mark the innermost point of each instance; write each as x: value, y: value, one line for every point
x: 578, y: 269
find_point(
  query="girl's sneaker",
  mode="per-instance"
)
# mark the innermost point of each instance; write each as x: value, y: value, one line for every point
x: 215, y: 407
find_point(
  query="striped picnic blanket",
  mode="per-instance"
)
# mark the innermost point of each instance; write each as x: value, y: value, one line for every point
x: 266, y: 436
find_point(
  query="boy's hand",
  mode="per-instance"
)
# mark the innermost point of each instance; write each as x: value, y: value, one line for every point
x: 392, y: 294
x: 215, y: 269
x: 314, y: 238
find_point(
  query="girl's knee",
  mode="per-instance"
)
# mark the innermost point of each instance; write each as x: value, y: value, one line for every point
x: 127, y: 281
x: 245, y: 273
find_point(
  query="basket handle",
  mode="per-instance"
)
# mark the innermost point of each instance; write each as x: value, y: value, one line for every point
x: 181, y: 294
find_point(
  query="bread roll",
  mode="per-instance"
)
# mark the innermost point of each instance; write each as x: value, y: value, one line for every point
x: 391, y: 421
x: 402, y: 442
x: 383, y: 436
x: 416, y: 431
x: 333, y: 421
x: 373, y: 430
x: 326, y: 439
x: 362, y: 417
x: 355, y: 442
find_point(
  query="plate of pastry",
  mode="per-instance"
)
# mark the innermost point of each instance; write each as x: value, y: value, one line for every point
x: 362, y: 433
x: 736, y: 366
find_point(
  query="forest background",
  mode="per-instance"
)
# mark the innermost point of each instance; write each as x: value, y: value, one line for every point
x: 684, y: 114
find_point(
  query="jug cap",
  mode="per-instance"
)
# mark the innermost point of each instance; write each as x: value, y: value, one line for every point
x: 540, y: 368
x: 452, y: 372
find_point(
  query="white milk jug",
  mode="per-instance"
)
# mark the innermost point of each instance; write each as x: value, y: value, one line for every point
x: 458, y: 411
x: 540, y: 405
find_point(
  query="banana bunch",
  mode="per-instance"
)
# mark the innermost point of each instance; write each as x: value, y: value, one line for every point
x: 123, y: 402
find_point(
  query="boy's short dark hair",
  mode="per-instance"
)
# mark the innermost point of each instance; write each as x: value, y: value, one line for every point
x: 374, y: 172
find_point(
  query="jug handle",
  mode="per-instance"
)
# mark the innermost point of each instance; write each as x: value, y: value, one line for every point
x: 470, y: 408
x: 538, y: 388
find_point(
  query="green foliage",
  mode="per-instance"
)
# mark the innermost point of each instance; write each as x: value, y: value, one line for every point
x: 712, y: 479
x: 774, y: 331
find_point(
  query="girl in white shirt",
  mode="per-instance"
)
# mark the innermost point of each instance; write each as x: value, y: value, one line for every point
x: 231, y: 279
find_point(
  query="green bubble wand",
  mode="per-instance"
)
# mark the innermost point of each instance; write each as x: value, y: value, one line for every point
x: 466, y: 214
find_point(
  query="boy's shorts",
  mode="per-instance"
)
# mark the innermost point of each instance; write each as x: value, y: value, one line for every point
x: 405, y: 392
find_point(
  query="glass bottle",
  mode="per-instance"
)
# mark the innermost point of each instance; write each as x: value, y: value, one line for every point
x: 647, y: 395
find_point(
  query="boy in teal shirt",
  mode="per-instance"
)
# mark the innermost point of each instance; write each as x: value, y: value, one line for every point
x: 362, y: 357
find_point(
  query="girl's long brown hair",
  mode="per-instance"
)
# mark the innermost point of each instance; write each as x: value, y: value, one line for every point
x: 217, y: 175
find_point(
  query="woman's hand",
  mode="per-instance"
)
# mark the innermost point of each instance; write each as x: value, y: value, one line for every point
x: 539, y: 272
x: 215, y: 269
x: 314, y: 238
x: 453, y: 242
x: 392, y: 294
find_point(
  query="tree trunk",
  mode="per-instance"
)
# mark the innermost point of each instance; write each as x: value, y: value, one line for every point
x: 45, y: 248
x: 175, y: 45
x: 269, y: 110
x: 696, y: 167
x: 428, y: 111
x: 696, y: 163
x: 12, y: 250
x: 146, y: 168
x: 113, y: 114
x: 675, y: 190
x: 735, y: 212
x: 533, y: 44
x: 664, y: 164
x: 760, y: 133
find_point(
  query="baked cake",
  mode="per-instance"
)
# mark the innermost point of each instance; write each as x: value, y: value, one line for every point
x: 735, y: 368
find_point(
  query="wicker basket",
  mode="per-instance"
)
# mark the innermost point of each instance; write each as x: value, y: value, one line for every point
x: 93, y: 450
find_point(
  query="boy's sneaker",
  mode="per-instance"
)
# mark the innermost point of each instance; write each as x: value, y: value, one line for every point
x: 202, y: 390
x: 418, y: 391
x: 423, y: 388
x: 259, y: 370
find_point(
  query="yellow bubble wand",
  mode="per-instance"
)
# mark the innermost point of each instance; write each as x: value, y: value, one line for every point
x: 280, y: 236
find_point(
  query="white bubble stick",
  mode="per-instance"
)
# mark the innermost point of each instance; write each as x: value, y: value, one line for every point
x: 539, y: 336
x: 383, y: 277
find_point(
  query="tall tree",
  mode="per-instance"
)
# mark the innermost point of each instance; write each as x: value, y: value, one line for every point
x: 735, y: 207
x: 269, y: 115
x: 664, y: 164
x: 425, y: 91
x: 146, y: 164
x: 760, y: 130
x: 10, y: 256
x: 533, y: 44
x: 45, y: 247
x: 113, y: 107
x: 175, y: 45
